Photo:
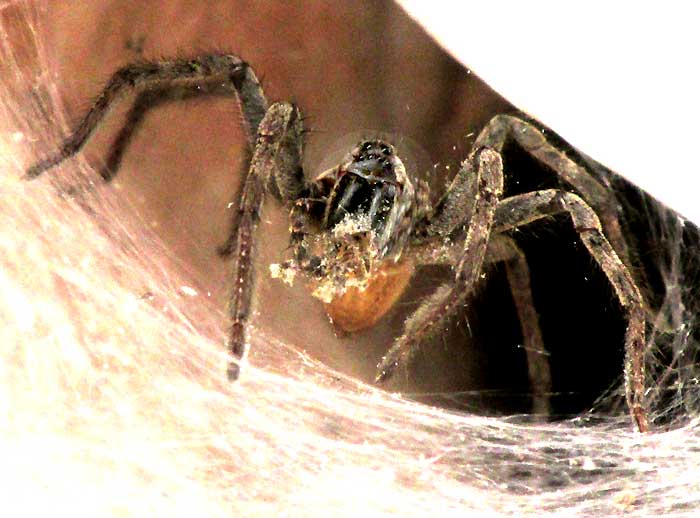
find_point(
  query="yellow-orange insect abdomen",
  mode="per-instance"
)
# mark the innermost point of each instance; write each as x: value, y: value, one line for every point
x: 359, y: 308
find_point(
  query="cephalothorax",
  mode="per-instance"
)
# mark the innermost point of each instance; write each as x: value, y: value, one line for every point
x: 358, y: 230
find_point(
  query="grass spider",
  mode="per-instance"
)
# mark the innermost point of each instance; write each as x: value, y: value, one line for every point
x: 359, y: 230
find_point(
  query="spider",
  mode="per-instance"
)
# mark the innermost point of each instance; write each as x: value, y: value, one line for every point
x: 359, y: 230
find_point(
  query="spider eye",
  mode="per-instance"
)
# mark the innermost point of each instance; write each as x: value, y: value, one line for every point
x: 373, y: 161
x: 372, y: 150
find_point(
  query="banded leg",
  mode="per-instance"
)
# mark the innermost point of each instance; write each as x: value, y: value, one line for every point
x: 485, y: 165
x: 228, y: 69
x: 526, y: 208
x: 276, y: 161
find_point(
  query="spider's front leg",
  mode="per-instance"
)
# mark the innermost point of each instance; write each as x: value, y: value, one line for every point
x: 276, y: 167
x: 482, y: 170
x: 158, y: 82
x: 504, y: 249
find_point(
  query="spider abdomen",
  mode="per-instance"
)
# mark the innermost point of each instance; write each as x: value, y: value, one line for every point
x: 360, y: 307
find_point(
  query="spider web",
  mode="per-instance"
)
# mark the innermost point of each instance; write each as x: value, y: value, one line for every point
x: 114, y: 401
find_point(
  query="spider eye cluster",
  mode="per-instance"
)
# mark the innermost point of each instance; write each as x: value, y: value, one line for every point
x: 375, y: 160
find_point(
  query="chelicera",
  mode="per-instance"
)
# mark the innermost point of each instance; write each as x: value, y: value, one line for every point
x: 358, y: 230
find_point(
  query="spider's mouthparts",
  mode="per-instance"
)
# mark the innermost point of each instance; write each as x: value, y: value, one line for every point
x: 355, y: 196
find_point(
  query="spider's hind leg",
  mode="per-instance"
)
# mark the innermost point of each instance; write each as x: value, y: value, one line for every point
x: 503, y: 248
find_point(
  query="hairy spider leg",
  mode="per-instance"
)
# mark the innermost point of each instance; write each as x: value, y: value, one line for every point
x: 525, y: 208
x: 458, y: 201
x: 504, y: 249
x: 603, y: 206
x: 228, y: 69
x: 532, y: 140
x: 159, y: 82
x: 482, y: 169
x: 276, y: 161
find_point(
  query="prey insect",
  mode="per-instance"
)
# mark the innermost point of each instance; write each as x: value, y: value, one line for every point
x: 359, y: 230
